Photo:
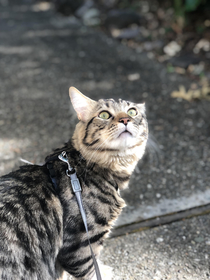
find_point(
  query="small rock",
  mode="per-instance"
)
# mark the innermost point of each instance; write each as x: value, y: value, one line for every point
x: 134, y: 77
x: 159, y: 240
x: 180, y: 70
x: 196, y: 69
x: 172, y: 48
x: 203, y: 44
x: 91, y: 17
x: 207, y: 23
x: 82, y: 54
x: 108, y: 3
x: 121, y: 18
x: 126, y: 33
x: 184, y: 60
x: 150, y: 55
x: 170, y: 262
x: 199, y: 239
x: 80, y: 12
x: 43, y: 6
x: 67, y: 7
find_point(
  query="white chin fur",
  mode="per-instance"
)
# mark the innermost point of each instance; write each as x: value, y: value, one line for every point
x: 125, y: 140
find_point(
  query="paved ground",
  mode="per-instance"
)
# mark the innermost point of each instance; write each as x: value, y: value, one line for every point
x: 41, y: 55
x: 178, y: 251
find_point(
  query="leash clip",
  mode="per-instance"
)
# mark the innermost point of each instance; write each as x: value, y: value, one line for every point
x: 70, y: 172
x: 63, y: 156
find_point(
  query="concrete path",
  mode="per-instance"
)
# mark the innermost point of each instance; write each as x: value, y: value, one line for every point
x: 41, y: 55
x: 178, y: 251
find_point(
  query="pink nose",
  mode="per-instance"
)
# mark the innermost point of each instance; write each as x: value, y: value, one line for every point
x: 124, y: 120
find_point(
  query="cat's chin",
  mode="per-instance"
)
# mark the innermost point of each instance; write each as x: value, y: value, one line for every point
x: 125, y: 134
x: 124, y: 140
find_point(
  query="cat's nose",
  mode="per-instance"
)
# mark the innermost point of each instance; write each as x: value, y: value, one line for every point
x: 124, y: 120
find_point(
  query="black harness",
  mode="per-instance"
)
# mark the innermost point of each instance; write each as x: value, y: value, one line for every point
x: 71, y: 173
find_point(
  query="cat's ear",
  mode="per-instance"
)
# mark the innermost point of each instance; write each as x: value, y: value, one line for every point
x: 81, y: 103
x: 142, y: 107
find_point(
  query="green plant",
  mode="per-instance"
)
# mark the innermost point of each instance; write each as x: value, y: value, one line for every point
x: 182, y: 7
x: 191, y: 5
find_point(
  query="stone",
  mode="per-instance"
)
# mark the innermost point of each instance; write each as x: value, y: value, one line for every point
x: 172, y: 48
x: 121, y: 18
x: 126, y: 33
x: 67, y: 7
x: 91, y: 17
x: 184, y: 60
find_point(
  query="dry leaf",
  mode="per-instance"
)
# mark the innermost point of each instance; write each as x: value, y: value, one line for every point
x: 191, y: 94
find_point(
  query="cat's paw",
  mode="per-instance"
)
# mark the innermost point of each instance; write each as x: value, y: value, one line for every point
x: 106, y: 272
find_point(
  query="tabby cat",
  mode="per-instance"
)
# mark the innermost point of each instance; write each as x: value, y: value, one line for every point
x: 42, y: 234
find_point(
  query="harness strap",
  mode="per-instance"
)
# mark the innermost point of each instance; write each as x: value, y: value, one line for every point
x: 71, y: 173
x: 52, y: 176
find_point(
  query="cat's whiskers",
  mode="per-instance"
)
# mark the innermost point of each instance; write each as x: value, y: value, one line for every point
x: 98, y: 148
x: 113, y: 132
x: 88, y: 151
x: 84, y: 155
x: 109, y: 134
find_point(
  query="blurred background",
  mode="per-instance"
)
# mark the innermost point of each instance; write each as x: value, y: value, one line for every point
x: 174, y: 32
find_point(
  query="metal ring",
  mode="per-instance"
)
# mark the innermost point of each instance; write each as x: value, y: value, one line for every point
x: 67, y: 173
x: 70, y: 172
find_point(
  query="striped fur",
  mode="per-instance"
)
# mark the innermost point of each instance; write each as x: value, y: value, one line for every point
x: 41, y: 232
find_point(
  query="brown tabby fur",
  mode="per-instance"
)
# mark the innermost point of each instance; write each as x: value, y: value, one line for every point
x: 41, y: 230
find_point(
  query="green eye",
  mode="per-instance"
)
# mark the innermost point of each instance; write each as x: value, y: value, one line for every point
x: 132, y: 112
x: 104, y: 115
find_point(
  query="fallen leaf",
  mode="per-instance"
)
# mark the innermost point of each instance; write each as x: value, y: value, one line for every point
x: 191, y: 94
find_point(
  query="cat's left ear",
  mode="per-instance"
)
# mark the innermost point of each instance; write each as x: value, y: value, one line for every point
x: 141, y: 107
x: 81, y: 103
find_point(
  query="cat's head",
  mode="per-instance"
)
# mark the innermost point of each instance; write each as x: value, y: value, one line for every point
x: 108, y: 129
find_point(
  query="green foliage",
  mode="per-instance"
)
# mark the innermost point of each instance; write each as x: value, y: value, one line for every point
x: 191, y: 5
x: 179, y: 8
x: 182, y: 7
x: 170, y: 68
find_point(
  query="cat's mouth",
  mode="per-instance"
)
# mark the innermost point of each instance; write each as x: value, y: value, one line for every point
x: 125, y: 132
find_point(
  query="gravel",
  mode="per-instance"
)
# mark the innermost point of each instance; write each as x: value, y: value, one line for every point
x: 177, y: 251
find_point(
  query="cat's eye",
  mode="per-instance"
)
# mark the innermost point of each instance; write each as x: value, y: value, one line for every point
x: 104, y: 115
x: 132, y: 112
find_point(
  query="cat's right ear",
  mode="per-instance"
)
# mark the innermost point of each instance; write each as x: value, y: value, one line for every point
x: 81, y: 103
